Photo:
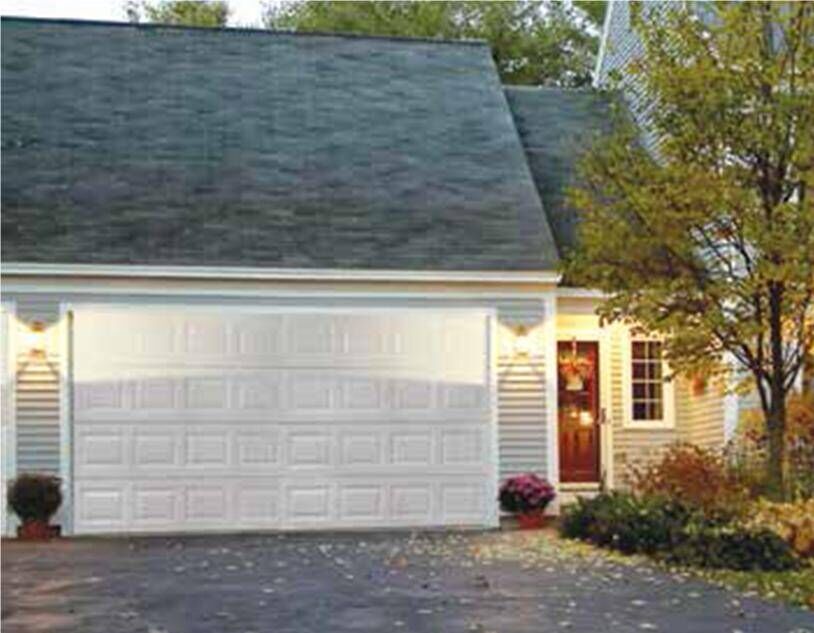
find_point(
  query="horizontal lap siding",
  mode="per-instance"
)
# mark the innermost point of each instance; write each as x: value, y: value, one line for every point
x: 521, y: 384
x: 703, y: 415
x: 521, y: 393
x: 37, y: 392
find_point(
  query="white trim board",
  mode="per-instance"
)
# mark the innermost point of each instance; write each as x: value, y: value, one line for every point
x: 292, y: 274
x: 9, y: 423
x: 551, y: 393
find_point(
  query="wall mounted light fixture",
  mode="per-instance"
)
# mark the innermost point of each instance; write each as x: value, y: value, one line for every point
x: 35, y: 338
x: 522, y: 342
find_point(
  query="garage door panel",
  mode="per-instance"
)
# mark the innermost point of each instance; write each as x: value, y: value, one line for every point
x: 156, y: 448
x: 296, y: 394
x: 223, y: 421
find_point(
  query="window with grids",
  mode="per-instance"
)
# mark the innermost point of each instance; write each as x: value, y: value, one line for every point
x: 647, y: 381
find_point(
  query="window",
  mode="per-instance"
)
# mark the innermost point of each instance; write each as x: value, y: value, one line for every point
x: 648, y: 398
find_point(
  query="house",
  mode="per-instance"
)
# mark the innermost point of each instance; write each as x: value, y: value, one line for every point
x: 257, y: 280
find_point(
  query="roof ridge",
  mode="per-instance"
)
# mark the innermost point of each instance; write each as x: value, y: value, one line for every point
x: 244, y: 30
x: 529, y: 88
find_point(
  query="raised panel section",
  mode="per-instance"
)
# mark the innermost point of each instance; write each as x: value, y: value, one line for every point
x: 101, y: 448
x: 308, y: 503
x: 462, y: 447
x: 413, y: 394
x: 361, y: 502
x: 462, y: 501
x: 411, y: 502
x: 412, y: 449
x: 206, y: 393
x: 206, y: 503
x: 207, y: 449
x: 257, y: 449
x: 258, y: 504
x: 156, y: 393
x: 360, y: 449
x: 311, y: 392
x: 155, y: 504
x: 309, y: 449
x: 155, y: 448
x: 102, y: 504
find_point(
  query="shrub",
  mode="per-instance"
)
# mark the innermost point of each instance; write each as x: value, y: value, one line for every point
x: 675, y: 533
x: 526, y: 493
x: 695, y: 477
x: 717, y: 545
x: 35, y: 496
x: 793, y: 522
x: 624, y: 522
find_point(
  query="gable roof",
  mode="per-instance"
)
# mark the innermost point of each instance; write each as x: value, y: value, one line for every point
x: 133, y: 144
x: 556, y: 128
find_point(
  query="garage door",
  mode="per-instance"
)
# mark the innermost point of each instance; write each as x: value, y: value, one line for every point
x: 195, y: 420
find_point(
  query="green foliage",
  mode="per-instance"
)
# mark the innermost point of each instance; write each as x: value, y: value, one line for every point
x: 673, y: 533
x: 624, y: 522
x: 34, y: 496
x: 706, y: 235
x: 705, y: 543
x: 179, y: 12
x: 533, y: 42
x: 793, y: 522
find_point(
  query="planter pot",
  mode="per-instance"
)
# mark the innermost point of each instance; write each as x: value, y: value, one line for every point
x: 37, y: 531
x: 531, y: 521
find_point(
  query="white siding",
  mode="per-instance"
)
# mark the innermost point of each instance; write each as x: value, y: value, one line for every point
x: 37, y: 391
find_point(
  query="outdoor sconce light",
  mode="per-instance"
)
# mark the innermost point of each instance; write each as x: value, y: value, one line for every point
x: 35, y: 338
x: 522, y: 342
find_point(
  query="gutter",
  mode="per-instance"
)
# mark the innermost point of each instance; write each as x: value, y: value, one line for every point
x: 275, y: 274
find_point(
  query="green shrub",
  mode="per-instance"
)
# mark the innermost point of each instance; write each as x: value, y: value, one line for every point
x: 626, y: 523
x: 731, y: 546
x: 34, y: 496
x: 673, y: 532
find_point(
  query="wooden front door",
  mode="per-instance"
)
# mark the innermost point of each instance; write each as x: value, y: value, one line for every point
x: 578, y: 380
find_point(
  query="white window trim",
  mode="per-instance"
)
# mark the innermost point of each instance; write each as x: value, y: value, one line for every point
x: 668, y: 390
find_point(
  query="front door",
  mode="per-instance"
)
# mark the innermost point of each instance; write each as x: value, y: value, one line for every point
x: 578, y: 371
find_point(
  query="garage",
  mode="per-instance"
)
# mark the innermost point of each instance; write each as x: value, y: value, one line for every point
x: 240, y: 418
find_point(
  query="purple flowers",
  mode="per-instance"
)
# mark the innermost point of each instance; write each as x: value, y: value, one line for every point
x: 526, y: 493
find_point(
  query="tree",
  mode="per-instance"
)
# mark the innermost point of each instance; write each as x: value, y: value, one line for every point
x: 709, y: 239
x: 179, y: 12
x: 546, y: 43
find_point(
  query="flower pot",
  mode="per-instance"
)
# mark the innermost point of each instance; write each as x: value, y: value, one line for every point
x: 37, y: 531
x: 531, y: 520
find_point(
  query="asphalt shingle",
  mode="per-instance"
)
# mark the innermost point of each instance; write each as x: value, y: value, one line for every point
x: 175, y: 146
x: 557, y: 127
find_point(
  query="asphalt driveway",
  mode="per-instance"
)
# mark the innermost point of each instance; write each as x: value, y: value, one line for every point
x: 443, y: 582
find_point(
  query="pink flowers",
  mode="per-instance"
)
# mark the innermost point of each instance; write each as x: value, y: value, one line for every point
x: 526, y: 493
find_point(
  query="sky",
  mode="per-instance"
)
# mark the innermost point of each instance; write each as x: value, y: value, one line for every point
x: 244, y: 12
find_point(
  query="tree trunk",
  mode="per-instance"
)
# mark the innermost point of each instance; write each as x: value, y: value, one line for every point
x: 776, y: 430
x: 776, y: 418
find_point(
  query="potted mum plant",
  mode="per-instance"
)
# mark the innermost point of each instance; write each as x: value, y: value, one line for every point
x: 35, y: 498
x: 527, y: 496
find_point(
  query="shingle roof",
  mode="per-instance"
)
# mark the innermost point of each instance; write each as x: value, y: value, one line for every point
x: 162, y: 145
x: 556, y: 127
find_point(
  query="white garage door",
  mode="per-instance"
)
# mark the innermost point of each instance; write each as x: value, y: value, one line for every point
x: 207, y: 419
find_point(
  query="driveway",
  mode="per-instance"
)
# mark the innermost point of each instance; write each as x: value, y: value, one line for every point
x: 430, y: 582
